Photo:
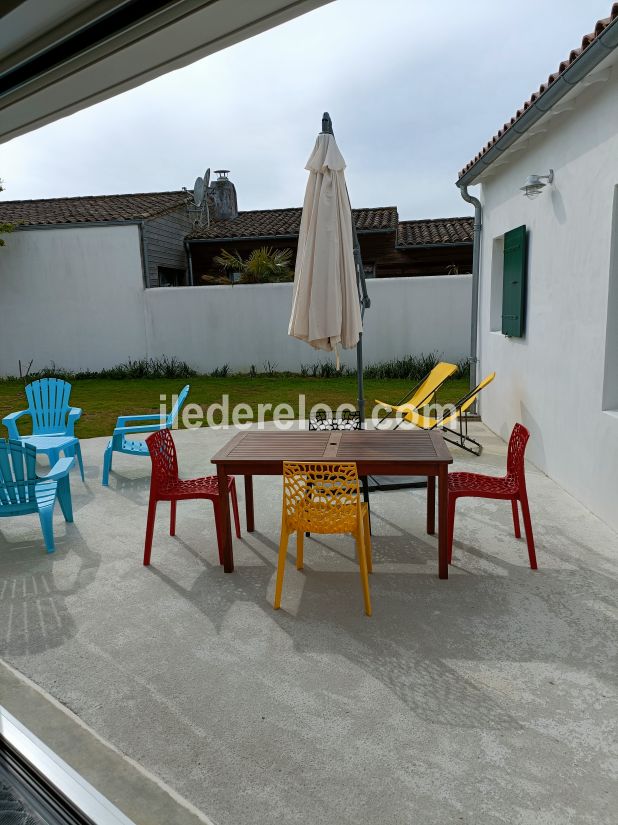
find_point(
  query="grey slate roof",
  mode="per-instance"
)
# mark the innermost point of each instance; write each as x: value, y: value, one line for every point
x: 436, y: 231
x: 90, y: 209
x: 271, y: 223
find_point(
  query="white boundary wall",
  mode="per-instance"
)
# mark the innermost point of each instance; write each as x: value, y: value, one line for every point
x: 245, y: 325
x: 75, y: 297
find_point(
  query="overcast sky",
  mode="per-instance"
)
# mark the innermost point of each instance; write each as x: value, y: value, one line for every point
x: 414, y: 88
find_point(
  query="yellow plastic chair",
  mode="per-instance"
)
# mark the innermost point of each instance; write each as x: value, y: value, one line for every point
x: 423, y: 392
x: 459, y: 437
x: 323, y: 497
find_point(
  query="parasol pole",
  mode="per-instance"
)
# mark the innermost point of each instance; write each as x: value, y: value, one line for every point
x: 365, y: 302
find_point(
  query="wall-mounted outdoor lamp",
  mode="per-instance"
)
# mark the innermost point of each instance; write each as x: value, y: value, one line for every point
x: 534, y: 184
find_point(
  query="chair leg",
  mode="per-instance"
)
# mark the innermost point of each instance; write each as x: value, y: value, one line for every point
x: 283, y: 549
x: 46, y: 515
x: 362, y: 562
x: 367, y: 537
x: 64, y: 497
x: 450, y: 525
x: 515, y: 518
x: 172, y: 518
x: 78, y: 453
x: 525, y: 511
x: 299, y: 549
x: 107, y: 466
x: 218, y: 529
x: 152, y: 512
x: 234, y: 498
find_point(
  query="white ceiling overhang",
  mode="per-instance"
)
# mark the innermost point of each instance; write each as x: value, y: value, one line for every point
x: 61, y: 56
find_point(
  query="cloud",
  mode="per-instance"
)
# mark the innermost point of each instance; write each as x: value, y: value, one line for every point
x: 414, y: 88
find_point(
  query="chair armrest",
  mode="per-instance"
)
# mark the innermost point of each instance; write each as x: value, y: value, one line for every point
x: 122, y: 419
x: 75, y: 414
x: 9, y: 422
x: 146, y: 428
x: 59, y: 470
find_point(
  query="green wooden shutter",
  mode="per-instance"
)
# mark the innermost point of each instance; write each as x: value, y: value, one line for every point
x: 514, y: 283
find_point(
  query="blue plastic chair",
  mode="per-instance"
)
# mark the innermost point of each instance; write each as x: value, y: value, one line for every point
x: 23, y: 492
x: 52, y: 416
x: 119, y: 442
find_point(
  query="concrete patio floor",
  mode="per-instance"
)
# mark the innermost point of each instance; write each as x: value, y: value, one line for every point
x: 487, y: 698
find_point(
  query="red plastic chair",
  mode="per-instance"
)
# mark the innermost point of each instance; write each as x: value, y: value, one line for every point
x: 166, y: 486
x: 512, y: 487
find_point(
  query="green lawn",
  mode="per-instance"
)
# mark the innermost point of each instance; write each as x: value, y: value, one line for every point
x: 102, y: 400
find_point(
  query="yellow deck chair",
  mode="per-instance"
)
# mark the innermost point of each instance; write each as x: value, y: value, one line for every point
x: 323, y: 497
x: 459, y: 437
x: 423, y: 393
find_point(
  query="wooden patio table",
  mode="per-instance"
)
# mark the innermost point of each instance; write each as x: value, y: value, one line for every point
x: 375, y: 452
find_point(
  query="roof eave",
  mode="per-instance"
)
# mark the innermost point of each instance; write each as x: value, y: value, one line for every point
x: 73, y: 225
x: 291, y: 237
x: 433, y: 245
x: 588, y: 60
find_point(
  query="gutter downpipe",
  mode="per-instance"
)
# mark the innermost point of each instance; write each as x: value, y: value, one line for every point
x: 189, y: 263
x: 476, y: 261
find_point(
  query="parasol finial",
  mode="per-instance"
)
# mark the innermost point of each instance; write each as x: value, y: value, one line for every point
x: 327, y: 124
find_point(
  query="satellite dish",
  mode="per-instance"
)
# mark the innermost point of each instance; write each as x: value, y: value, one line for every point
x: 198, y: 191
x: 207, y: 178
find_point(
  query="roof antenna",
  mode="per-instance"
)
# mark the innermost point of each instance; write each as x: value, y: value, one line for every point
x: 197, y: 202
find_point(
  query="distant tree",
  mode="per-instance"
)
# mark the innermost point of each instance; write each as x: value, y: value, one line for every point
x: 263, y: 266
x: 5, y: 227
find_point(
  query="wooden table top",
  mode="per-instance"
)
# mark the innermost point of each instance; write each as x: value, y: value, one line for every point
x: 382, y: 446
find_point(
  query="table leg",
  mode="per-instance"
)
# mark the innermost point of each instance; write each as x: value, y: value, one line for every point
x: 226, y: 526
x: 249, y: 503
x: 442, y: 527
x: 431, y: 505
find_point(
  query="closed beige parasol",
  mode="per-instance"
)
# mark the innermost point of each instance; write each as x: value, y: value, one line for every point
x: 326, y: 310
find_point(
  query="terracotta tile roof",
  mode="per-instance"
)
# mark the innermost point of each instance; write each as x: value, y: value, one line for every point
x: 90, y: 209
x: 587, y: 40
x: 434, y: 231
x: 270, y: 223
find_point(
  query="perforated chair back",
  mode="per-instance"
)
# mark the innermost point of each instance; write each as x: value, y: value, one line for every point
x: 515, y: 458
x: 321, y: 497
x: 164, y: 460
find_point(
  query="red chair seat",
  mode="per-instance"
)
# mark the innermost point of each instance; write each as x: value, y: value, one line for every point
x: 206, y: 487
x: 512, y: 487
x: 475, y: 484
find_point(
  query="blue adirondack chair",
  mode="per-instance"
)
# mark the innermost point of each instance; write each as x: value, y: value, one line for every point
x: 119, y: 441
x: 52, y: 417
x: 23, y: 492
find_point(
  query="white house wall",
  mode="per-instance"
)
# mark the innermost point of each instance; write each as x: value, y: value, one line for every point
x: 72, y: 296
x: 552, y: 379
x: 76, y: 297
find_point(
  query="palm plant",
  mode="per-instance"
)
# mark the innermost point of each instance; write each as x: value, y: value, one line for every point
x: 264, y: 265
